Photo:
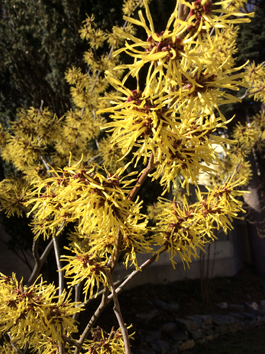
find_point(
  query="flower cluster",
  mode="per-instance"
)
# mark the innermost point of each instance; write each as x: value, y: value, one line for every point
x: 182, y: 228
x: 32, y: 314
x: 174, y: 117
x: 88, y: 267
x: 234, y: 5
x: 247, y: 137
x: 98, y: 201
x: 32, y: 133
x: 165, y: 114
x: 105, y: 343
x: 255, y: 79
x: 14, y: 193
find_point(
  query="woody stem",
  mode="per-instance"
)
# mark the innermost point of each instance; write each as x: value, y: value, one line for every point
x: 141, y: 180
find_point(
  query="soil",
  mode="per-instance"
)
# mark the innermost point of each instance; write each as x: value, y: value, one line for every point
x: 246, y: 286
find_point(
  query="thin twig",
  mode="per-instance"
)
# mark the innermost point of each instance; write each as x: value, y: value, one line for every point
x: 41, y: 105
x: 137, y: 271
x: 116, y: 254
x: 221, y: 14
x: 26, y: 347
x: 71, y: 341
x: 183, y: 12
x: 45, y: 163
x: 93, y: 158
x: 60, y: 229
x: 35, y: 250
x: 13, y: 345
x: 58, y: 263
x: 99, y: 293
x: 97, y: 143
x: 78, y: 288
x: 96, y: 79
x: 38, y: 260
x: 117, y: 311
x: 41, y: 156
x: 102, y: 305
x: 141, y: 180
x: 61, y: 346
x: 60, y: 278
x: 106, y: 299
x: 247, y: 93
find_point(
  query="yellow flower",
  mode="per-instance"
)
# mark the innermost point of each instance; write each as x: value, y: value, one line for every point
x: 179, y: 138
x: 246, y: 136
x: 140, y: 122
x: 4, y: 136
x: 27, y: 152
x: 220, y: 205
x: 181, y: 231
x: 96, y: 200
x: 203, y: 15
x: 111, y: 153
x: 34, y: 130
x: 174, y: 117
x: 96, y: 37
x: 188, y: 152
x: 255, y: 80
x: 47, y: 346
x: 14, y: 192
x: 223, y: 48
x: 7, y: 348
x: 86, y: 266
x: 103, y: 342
x: 234, y: 5
x: 233, y: 162
x: 178, y: 48
x: 28, y: 312
x: 183, y: 228
x: 166, y: 52
x: 132, y: 232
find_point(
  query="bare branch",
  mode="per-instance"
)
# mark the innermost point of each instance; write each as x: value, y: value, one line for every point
x: 102, y: 305
x: 41, y: 105
x: 248, y: 93
x: 61, y: 346
x: 78, y: 288
x: 141, y: 180
x: 118, y: 315
x: 38, y: 260
x: 99, y: 293
x: 116, y: 254
x: 71, y: 341
x: 58, y: 263
x: 45, y: 163
x: 137, y: 271
x: 13, y: 345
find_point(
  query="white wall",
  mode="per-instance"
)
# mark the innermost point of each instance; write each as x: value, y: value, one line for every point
x: 222, y: 262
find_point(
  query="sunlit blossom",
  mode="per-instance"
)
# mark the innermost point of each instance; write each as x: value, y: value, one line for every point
x: 183, y: 228
x: 27, y: 312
